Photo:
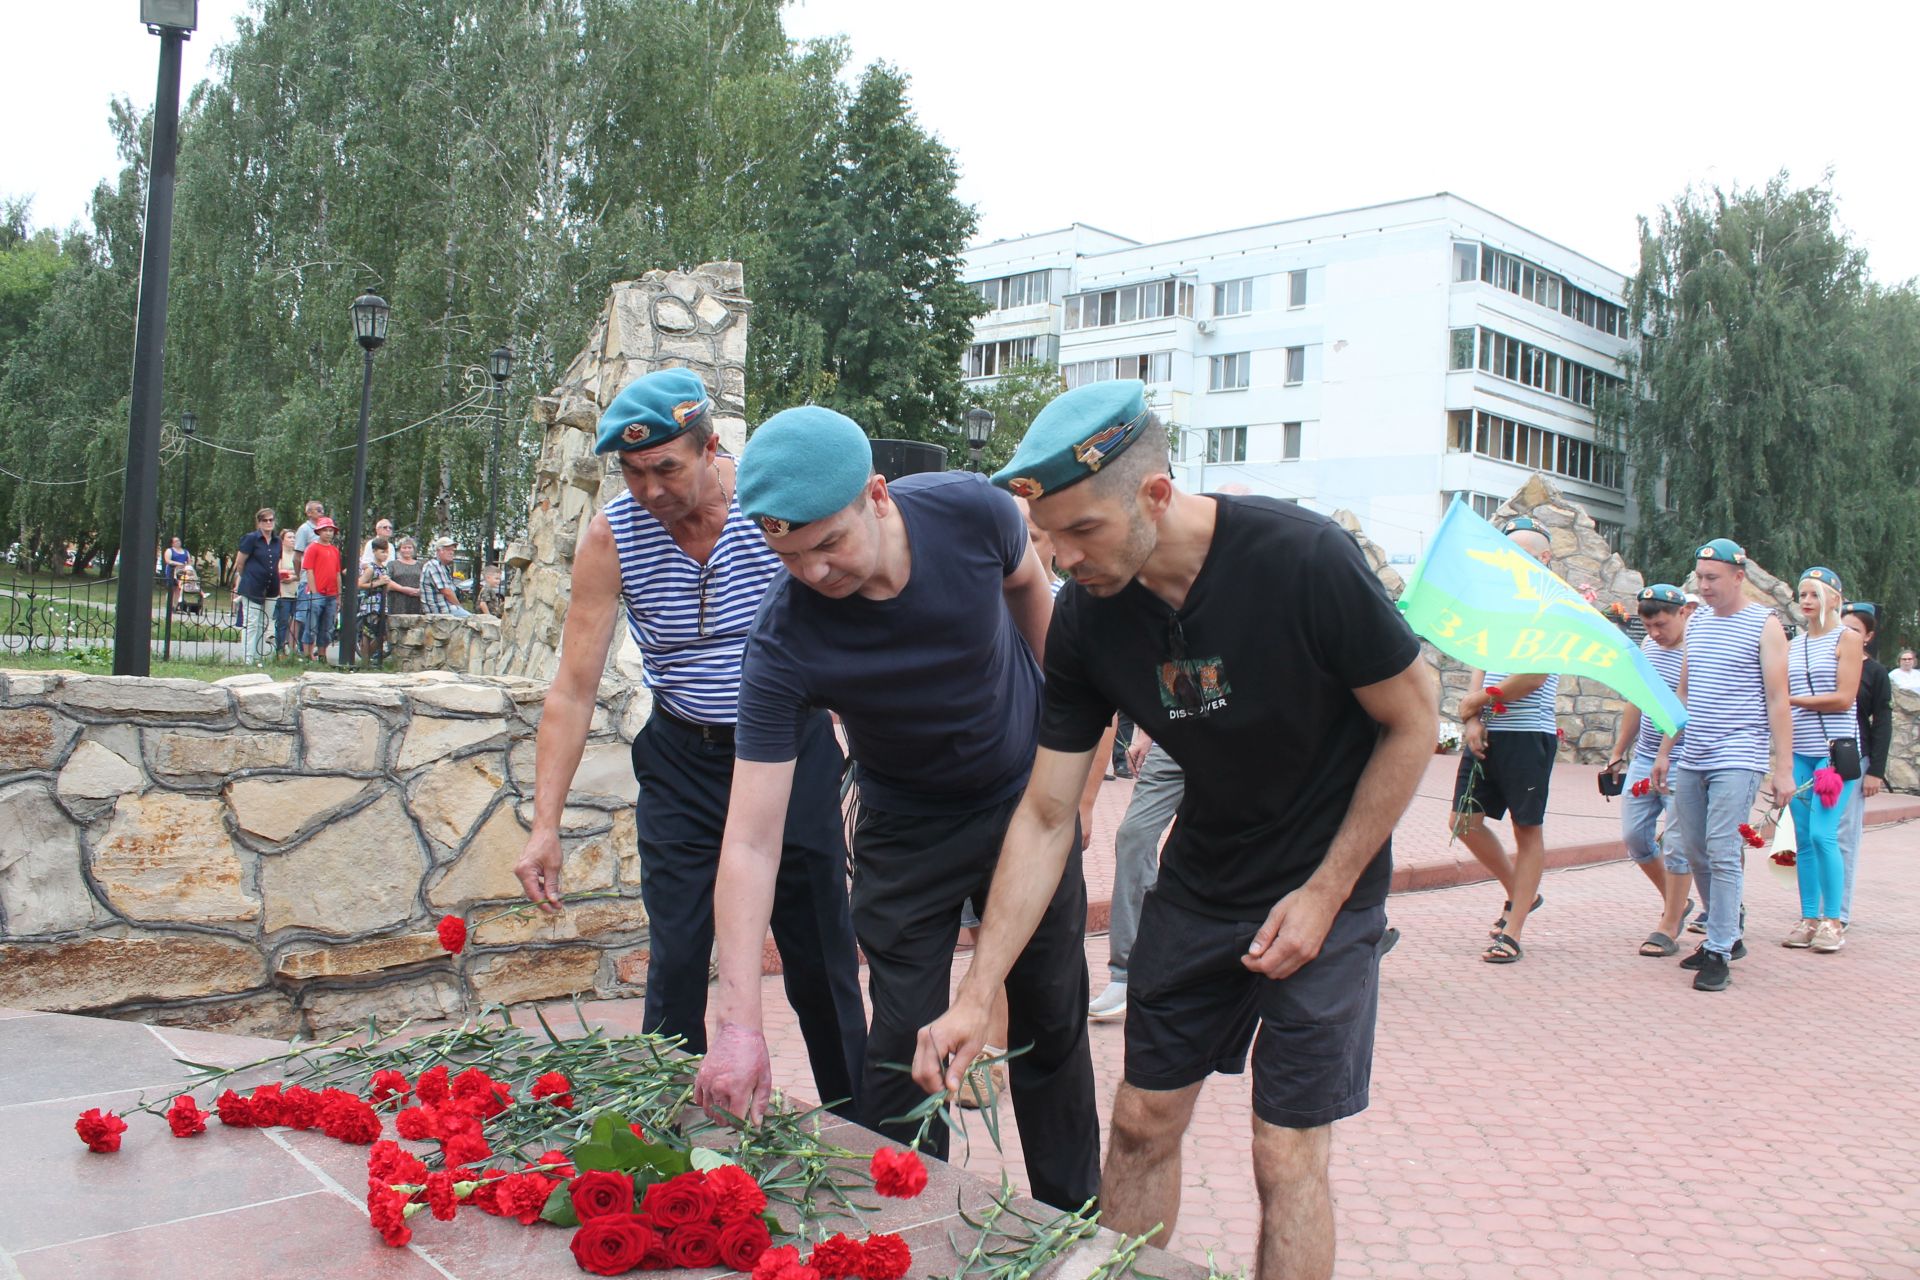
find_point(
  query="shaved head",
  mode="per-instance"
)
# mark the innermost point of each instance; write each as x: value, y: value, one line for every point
x: 1534, y: 543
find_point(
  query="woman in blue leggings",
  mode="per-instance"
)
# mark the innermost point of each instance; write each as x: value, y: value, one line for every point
x: 1823, y: 674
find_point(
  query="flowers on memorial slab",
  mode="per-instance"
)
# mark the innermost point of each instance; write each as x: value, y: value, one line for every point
x: 898, y: 1174
x: 600, y: 1193
x: 554, y: 1085
x: 100, y: 1130
x: 185, y: 1117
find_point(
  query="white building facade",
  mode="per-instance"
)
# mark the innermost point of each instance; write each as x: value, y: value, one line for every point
x: 1379, y: 359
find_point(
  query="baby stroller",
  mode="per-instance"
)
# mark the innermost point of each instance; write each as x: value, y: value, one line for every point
x: 192, y: 599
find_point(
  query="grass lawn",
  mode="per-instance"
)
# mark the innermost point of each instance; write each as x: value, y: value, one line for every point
x: 99, y: 662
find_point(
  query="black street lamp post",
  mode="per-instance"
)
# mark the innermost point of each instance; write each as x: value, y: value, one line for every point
x: 500, y: 365
x: 172, y: 21
x: 188, y: 423
x: 979, y: 431
x: 370, y: 331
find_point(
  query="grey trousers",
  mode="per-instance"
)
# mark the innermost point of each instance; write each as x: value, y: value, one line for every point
x: 1136, y: 850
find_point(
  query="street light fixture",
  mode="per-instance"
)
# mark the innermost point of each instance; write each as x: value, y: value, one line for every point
x: 370, y: 313
x: 979, y: 431
x: 500, y: 365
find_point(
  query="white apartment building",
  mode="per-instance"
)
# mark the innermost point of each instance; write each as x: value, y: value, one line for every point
x: 1379, y: 359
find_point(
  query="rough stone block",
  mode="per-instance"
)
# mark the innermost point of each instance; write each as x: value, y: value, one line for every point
x: 449, y: 798
x: 326, y: 690
x: 190, y: 753
x: 430, y: 738
x: 269, y: 1014
x: 41, y: 886
x: 244, y: 680
x: 726, y: 277
x: 351, y: 876
x: 484, y: 870
x: 96, y: 772
x: 429, y: 996
x: 97, y: 972
x: 462, y: 698
x: 264, y: 706
x: 342, y: 741
x: 168, y: 857
x: 273, y: 809
x: 23, y: 686
x: 353, y: 958
x: 577, y: 921
x: 575, y: 820
x: 33, y: 738
x: 141, y: 698
x: 542, y: 974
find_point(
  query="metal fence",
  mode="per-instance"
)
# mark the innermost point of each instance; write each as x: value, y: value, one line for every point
x: 73, y: 618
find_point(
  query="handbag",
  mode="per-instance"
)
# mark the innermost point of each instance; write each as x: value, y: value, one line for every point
x: 1843, y: 754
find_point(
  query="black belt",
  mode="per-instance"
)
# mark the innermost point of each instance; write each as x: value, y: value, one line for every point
x: 717, y: 734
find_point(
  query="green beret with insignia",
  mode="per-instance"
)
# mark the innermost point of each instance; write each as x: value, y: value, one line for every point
x: 802, y: 465
x: 1725, y: 550
x: 652, y: 410
x: 1822, y: 574
x: 1663, y: 593
x: 1074, y: 436
x: 1524, y: 524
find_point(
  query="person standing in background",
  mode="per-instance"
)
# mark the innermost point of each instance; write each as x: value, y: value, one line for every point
x: 1874, y: 710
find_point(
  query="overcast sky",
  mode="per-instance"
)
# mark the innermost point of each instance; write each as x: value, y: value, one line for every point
x: 1164, y: 119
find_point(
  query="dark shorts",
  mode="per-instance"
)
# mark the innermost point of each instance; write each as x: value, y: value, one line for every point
x: 1193, y: 1008
x: 1513, y: 778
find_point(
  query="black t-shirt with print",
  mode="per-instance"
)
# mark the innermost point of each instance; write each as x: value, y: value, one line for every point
x: 1250, y: 689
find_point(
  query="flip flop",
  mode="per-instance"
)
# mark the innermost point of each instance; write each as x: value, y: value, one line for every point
x: 1659, y: 945
x: 1503, y: 951
x: 1499, y: 926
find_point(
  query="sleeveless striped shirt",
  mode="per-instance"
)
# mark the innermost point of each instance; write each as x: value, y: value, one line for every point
x: 1813, y: 666
x: 1726, y: 698
x: 1531, y: 714
x: 1667, y: 663
x: 691, y: 620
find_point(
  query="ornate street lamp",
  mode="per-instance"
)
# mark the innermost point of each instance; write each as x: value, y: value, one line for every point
x: 370, y: 331
x: 979, y: 431
x: 500, y: 365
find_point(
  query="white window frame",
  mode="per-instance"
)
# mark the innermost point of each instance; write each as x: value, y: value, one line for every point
x: 1293, y: 353
x: 1238, y: 363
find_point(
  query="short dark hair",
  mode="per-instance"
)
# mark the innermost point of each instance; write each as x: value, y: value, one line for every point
x: 381, y: 544
x: 1648, y: 608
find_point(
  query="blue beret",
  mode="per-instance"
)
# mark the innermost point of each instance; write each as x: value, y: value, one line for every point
x: 1725, y: 549
x: 1865, y: 608
x: 1820, y: 573
x: 1074, y: 436
x: 1663, y: 593
x: 1524, y: 524
x: 652, y: 410
x: 802, y: 465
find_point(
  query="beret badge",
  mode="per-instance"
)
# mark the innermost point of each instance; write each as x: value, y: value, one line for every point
x: 1025, y: 487
x: 776, y: 526
x: 635, y: 432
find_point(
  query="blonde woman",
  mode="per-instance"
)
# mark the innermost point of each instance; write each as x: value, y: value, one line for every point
x: 1823, y: 674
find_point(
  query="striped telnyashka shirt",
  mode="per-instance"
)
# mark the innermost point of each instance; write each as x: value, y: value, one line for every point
x: 1813, y: 666
x: 691, y: 620
x: 1531, y: 714
x: 1726, y: 697
x: 1667, y: 663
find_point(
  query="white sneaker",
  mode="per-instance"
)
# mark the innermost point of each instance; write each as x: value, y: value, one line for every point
x: 1109, y: 1004
x: 1828, y: 936
x: 1801, y: 935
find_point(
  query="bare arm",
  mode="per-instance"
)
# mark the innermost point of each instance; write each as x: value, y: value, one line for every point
x: 1030, y: 602
x: 1662, y: 759
x: 1629, y: 730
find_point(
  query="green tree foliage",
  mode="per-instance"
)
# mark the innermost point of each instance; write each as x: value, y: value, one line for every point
x: 1777, y: 396
x: 489, y: 167
x: 1015, y: 398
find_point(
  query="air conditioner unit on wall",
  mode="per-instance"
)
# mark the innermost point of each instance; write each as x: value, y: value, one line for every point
x: 1204, y: 326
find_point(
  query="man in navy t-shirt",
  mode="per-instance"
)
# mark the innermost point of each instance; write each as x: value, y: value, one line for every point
x: 916, y: 611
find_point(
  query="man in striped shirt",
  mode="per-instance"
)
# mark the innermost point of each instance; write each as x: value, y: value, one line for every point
x: 675, y: 555
x: 1733, y: 681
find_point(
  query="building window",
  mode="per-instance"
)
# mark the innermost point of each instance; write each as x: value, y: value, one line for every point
x: 1014, y: 291
x: 1532, y: 366
x: 1483, y: 504
x: 1296, y: 365
x: 1227, y: 444
x: 1230, y: 373
x: 1460, y: 431
x: 1152, y: 366
x: 991, y: 359
x: 1133, y: 302
x: 1296, y: 288
x: 1538, y: 285
x: 1289, y: 441
x: 1460, y: 351
x: 1233, y: 297
x: 1535, y: 448
x: 1466, y: 261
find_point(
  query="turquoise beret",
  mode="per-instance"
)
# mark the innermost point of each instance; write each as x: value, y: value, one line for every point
x: 652, y: 410
x: 1725, y: 549
x: 802, y: 465
x: 1663, y: 593
x: 1077, y: 433
x: 1820, y: 573
x: 1524, y: 524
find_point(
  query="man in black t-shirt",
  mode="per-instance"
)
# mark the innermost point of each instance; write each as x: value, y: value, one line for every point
x: 915, y: 611
x: 1250, y: 640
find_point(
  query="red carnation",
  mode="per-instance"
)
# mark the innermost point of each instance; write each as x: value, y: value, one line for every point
x: 387, y: 1084
x: 431, y: 1088
x: 267, y: 1105
x: 611, y: 1246
x: 388, y: 1162
x: 737, y: 1197
x: 554, y: 1085
x: 1785, y: 858
x: 440, y: 1198
x: 898, y: 1173
x: 695, y: 1245
x: 773, y: 1260
x: 601, y: 1192
x: 453, y: 934
x: 837, y: 1256
x: 886, y: 1258
x: 677, y: 1201
x: 522, y: 1196
x: 387, y: 1210
x: 346, y: 1118
x: 234, y: 1110
x: 185, y: 1118
x: 743, y: 1243
x: 465, y: 1148
x: 100, y: 1130
x: 639, y: 1133
x: 415, y: 1124
x: 300, y: 1107
x: 480, y: 1093
x: 1751, y: 836
x: 556, y: 1164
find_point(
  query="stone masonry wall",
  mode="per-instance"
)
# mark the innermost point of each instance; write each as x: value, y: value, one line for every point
x: 272, y: 858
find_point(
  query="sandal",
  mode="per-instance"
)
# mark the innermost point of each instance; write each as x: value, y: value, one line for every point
x: 1659, y: 945
x: 1500, y: 925
x: 1503, y: 951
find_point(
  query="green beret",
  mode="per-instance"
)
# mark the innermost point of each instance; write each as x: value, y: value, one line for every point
x: 652, y: 410
x: 1663, y: 593
x: 1074, y: 436
x: 1723, y: 549
x: 802, y: 465
x: 1820, y: 573
x: 1524, y: 524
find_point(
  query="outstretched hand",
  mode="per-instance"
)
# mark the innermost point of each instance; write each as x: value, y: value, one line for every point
x: 736, y: 1077
x: 947, y: 1046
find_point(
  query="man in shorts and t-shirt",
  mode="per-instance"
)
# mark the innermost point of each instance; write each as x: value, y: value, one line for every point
x: 1663, y: 611
x: 1250, y: 640
x: 1508, y: 725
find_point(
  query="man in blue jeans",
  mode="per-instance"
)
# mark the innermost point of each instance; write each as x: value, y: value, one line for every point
x: 1733, y: 681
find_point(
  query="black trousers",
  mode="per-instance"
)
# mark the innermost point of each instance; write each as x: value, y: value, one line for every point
x: 684, y: 783
x: 910, y: 876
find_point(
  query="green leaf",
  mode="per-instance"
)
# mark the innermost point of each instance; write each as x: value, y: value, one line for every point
x: 705, y: 1158
x: 559, y: 1207
x: 595, y: 1155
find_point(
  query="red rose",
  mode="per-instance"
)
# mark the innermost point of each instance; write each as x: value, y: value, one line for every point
x: 674, y: 1203
x: 440, y: 1196
x: 431, y: 1087
x: 694, y: 1245
x: 415, y: 1124
x: 639, y: 1133
x: 185, y: 1118
x: 554, y: 1085
x: 100, y: 1130
x: 887, y: 1258
x: 836, y: 1256
x: 600, y: 1192
x: 388, y: 1084
x: 234, y: 1110
x: 743, y: 1243
x: 387, y: 1210
x: 611, y: 1246
x: 453, y: 934
x: 898, y: 1173
x: 737, y: 1197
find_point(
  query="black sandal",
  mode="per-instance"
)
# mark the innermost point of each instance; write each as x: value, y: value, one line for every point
x: 1503, y: 951
x: 1499, y: 926
x: 1661, y: 945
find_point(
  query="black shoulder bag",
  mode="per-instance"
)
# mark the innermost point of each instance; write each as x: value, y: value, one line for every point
x: 1842, y: 753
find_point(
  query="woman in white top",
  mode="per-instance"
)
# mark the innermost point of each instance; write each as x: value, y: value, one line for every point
x: 1823, y: 674
x: 1907, y: 674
